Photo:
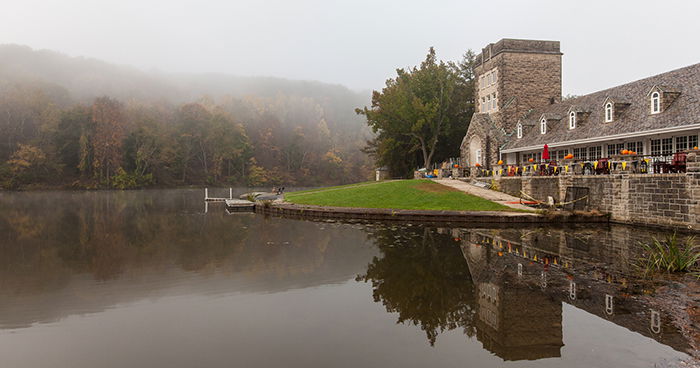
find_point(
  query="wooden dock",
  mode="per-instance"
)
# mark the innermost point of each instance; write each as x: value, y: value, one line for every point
x: 239, y: 205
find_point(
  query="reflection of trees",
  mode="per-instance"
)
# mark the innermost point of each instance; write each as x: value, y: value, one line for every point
x: 422, y: 276
x: 107, y: 234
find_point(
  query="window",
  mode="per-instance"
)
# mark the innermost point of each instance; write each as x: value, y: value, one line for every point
x: 655, y: 147
x: 572, y: 120
x: 493, y: 101
x: 667, y: 146
x: 478, y: 156
x: 681, y: 143
x: 686, y: 142
x: 483, y: 104
x: 488, y: 102
x: 536, y: 157
x: 561, y: 153
x: 543, y: 126
x: 615, y: 148
x: 495, y: 77
x: 655, y: 103
x: 595, y: 153
x: 580, y: 153
x: 519, y: 129
x: 608, y: 112
x: 636, y: 147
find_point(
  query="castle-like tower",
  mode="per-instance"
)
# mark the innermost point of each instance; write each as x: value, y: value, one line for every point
x: 513, y: 77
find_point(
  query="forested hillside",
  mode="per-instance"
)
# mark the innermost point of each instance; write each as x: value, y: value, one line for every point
x: 83, y: 123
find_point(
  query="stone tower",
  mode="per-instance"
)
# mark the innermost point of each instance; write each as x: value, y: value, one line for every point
x: 513, y: 77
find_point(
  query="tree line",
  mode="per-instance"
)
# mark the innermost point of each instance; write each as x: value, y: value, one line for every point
x: 49, y: 140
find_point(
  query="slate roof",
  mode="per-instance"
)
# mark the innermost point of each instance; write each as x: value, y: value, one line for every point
x: 634, y: 118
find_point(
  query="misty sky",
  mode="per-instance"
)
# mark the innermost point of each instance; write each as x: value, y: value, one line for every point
x: 358, y: 43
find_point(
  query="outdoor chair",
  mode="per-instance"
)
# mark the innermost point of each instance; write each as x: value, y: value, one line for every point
x: 678, y: 162
x: 602, y: 168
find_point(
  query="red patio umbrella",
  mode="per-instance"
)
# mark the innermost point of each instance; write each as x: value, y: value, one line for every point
x: 545, y: 152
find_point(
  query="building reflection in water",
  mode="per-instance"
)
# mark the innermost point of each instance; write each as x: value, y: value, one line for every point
x: 502, y: 286
x: 513, y: 284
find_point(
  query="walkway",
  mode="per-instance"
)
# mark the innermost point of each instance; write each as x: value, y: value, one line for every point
x: 491, y: 195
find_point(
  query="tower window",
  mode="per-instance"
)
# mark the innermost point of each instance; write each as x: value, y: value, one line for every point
x: 608, y: 112
x: 655, y: 103
x: 519, y: 129
x: 572, y: 120
x: 543, y: 126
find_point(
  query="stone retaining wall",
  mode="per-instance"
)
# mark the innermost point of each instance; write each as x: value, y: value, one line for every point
x: 671, y: 200
x: 423, y: 216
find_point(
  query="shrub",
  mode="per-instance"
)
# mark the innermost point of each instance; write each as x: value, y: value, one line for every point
x: 123, y: 180
x: 670, y: 255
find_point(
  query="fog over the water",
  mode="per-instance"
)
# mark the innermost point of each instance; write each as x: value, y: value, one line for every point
x: 357, y: 43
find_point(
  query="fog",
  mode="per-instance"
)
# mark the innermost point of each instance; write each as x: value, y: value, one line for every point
x: 357, y: 43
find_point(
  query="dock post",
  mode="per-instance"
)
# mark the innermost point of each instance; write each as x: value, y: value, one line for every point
x: 206, y: 193
x: 230, y: 193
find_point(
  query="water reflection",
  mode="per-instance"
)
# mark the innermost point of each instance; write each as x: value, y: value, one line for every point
x: 510, y: 294
x: 135, y: 244
x: 586, y: 268
x: 506, y: 290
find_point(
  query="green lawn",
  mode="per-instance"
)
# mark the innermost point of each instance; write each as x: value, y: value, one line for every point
x: 400, y: 194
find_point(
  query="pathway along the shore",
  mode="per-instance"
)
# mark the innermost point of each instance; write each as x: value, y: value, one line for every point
x: 491, y: 195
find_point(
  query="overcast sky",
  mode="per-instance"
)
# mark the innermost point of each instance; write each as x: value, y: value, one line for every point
x: 358, y: 43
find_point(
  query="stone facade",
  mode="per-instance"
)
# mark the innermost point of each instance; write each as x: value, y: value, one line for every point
x: 526, y: 74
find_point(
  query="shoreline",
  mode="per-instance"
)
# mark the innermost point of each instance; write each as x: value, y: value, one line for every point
x: 286, y: 209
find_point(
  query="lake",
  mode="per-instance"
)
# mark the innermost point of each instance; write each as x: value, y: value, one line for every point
x: 151, y: 279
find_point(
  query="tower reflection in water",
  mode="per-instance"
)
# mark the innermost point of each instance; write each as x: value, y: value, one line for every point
x: 505, y: 287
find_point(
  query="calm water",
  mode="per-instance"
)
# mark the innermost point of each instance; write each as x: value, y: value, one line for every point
x: 148, y: 279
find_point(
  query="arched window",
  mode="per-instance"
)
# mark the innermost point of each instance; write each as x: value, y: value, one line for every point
x: 655, y: 103
x: 608, y: 112
x: 572, y: 120
x: 543, y: 126
x: 520, y: 130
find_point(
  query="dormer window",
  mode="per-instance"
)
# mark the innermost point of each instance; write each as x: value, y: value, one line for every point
x: 572, y: 120
x: 519, y: 130
x: 655, y: 103
x: 543, y: 126
x: 608, y: 112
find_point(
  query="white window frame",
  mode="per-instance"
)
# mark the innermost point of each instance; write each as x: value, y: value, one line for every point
x: 572, y: 120
x: 519, y: 130
x: 609, y: 112
x: 655, y: 103
x: 543, y: 126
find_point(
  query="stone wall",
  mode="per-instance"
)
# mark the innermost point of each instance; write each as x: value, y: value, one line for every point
x: 528, y: 81
x: 671, y: 200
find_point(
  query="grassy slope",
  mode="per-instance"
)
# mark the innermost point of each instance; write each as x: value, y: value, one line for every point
x: 403, y: 194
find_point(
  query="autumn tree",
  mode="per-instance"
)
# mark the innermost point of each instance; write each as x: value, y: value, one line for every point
x: 27, y: 164
x: 108, y: 137
x: 420, y: 109
x: 72, y: 140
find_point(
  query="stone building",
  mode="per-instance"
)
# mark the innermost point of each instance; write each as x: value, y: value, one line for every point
x: 520, y: 109
x: 513, y: 76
